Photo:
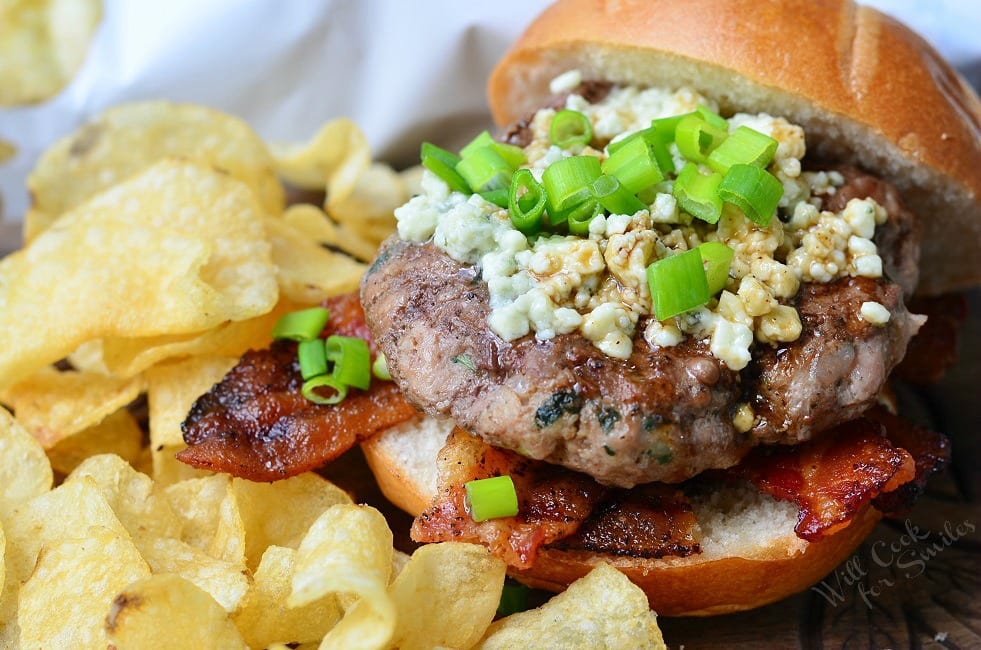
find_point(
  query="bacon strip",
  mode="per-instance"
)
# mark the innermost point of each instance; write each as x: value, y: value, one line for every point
x: 554, y: 505
x: 256, y: 424
x: 930, y: 451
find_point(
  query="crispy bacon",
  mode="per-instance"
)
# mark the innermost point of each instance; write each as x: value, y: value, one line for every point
x: 832, y: 478
x: 256, y: 424
x: 554, y: 505
x: 934, y: 348
x: 930, y: 451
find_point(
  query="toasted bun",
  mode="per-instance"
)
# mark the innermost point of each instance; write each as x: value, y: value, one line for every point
x: 865, y: 88
x: 750, y: 554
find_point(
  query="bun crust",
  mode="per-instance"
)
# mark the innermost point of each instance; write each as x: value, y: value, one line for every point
x: 865, y: 88
x: 403, y: 460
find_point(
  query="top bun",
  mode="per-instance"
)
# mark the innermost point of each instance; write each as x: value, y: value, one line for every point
x: 865, y: 88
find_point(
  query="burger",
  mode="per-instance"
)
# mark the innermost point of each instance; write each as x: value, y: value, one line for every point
x: 652, y: 322
x: 695, y: 450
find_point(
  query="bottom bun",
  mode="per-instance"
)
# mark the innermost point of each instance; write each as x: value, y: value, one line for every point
x: 750, y: 554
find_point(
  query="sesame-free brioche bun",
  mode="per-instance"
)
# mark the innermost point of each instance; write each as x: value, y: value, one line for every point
x: 866, y: 89
x: 750, y: 554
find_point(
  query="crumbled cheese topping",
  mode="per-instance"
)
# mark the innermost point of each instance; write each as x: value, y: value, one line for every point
x: 597, y: 285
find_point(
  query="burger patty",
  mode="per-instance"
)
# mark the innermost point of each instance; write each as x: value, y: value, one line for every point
x: 663, y: 414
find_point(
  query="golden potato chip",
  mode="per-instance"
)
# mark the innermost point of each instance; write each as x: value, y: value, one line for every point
x: 24, y: 469
x: 333, y: 159
x: 168, y: 607
x: 42, y: 44
x: 446, y: 596
x: 314, y: 224
x: 264, y: 617
x: 224, y: 581
x: 601, y: 610
x: 118, y: 434
x: 171, y: 390
x: 308, y: 272
x: 348, y: 550
x: 53, y: 405
x: 368, y: 209
x: 211, y: 520
x: 3, y: 567
x: 281, y: 513
x: 139, y: 506
x: 87, y: 357
x: 9, y: 629
x: 165, y: 261
x: 126, y: 140
x: 96, y: 563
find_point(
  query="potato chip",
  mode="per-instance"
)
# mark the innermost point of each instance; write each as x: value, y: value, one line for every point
x: 333, y: 159
x: 308, y: 272
x: 3, y: 567
x: 42, y: 44
x: 264, y: 617
x: 348, y: 550
x: 368, y: 209
x: 126, y: 140
x: 118, y: 434
x: 601, y: 610
x: 96, y: 564
x: 446, y: 595
x: 226, y: 582
x: 24, y: 469
x: 316, y: 225
x: 54, y: 405
x: 211, y: 520
x: 168, y: 607
x: 165, y: 262
x: 9, y: 629
x: 139, y: 506
x: 171, y: 390
x: 281, y: 513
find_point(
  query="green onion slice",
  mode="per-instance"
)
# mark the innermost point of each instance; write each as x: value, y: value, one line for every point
x: 677, y: 284
x: 443, y: 163
x: 744, y: 146
x: 311, y: 392
x: 301, y: 325
x: 614, y: 197
x: 380, y: 367
x: 567, y: 183
x: 491, y: 498
x: 696, y: 138
x: 712, y: 117
x: 635, y: 165
x: 485, y: 169
x: 312, y: 357
x: 580, y: 217
x: 514, y: 599
x: 753, y: 190
x: 657, y: 140
x: 526, y: 202
x: 515, y: 156
x: 352, y: 360
x: 497, y: 197
x: 698, y: 194
x: 570, y: 128
x: 716, y: 259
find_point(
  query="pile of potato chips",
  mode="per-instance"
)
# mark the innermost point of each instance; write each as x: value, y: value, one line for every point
x: 158, y: 249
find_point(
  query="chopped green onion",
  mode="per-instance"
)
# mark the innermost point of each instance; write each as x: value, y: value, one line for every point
x: 656, y: 140
x: 515, y: 156
x: 491, y: 498
x: 485, y: 169
x: 696, y: 138
x: 712, y: 117
x: 312, y: 357
x: 570, y: 128
x: 697, y: 194
x: 716, y: 258
x: 567, y: 183
x: 635, y: 165
x: 614, y: 197
x: 310, y: 387
x: 497, y: 197
x: 301, y: 325
x: 677, y: 284
x: 526, y: 202
x: 443, y: 163
x: 753, y: 190
x: 580, y: 216
x: 743, y: 146
x: 514, y: 599
x: 380, y: 367
x: 352, y: 360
